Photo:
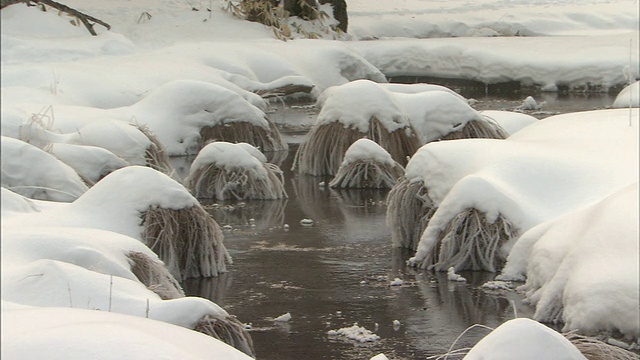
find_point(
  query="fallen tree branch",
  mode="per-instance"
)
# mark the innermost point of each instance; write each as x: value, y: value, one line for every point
x: 84, y: 18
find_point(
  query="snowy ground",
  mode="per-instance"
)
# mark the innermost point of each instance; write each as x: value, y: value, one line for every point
x: 57, y: 79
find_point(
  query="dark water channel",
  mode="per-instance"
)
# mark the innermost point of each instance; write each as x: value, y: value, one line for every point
x: 338, y: 272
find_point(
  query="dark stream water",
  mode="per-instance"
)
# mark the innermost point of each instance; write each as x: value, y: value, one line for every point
x: 338, y: 271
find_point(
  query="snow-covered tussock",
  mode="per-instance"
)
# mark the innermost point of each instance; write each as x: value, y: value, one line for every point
x: 367, y: 165
x: 34, y: 173
x: 234, y: 171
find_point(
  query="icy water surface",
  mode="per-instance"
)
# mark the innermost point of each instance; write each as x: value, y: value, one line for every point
x: 335, y: 273
x: 339, y: 270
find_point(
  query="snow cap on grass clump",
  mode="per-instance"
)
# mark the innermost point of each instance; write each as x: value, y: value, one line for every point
x: 511, y: 122
x: 186, y: 114
x: 524, y: 339
x: 69, y: 333
x: 92, y: 163
x: 34, y: 173
x: 438, y: 114
x: 628, y: 97
x: 14, y: 203
x: 350, y: 112
x: 367, y: 165
x: 559, y: 257
x: 234, y: 171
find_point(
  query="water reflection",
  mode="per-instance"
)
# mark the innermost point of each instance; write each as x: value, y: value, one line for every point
x: 335, y: 273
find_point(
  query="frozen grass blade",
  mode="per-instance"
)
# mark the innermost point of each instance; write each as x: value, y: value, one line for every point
x: 236, y: 132
x: 229, y: 330
x: 409, y: 209
x: 594, y: 349
x: 367, y: 174
x: 155, y: 276
x: 188, y: 241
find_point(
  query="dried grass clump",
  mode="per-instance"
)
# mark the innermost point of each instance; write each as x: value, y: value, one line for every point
x: 155, y: 276
x: 367, y: 174
x: 594, y: 349
x: 188, y: 241
x: 222, y: 183
x: 323, y: 151
x: 470, y: 242
x: 155, y: 155
x: 478, y: 129
x: 229, y: 330
x: 409, y: 209
x: 240, y: 131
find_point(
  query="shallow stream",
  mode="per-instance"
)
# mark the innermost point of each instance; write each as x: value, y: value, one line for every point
x: 339, y: 270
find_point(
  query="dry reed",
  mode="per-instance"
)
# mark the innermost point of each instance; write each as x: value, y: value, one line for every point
x: 229, y: 330
x: 188, y: 241
x: 594, y: 349
x: 326, y: 144
x: 482, y: 129
x: 409, y: 209
x: 154, y: 155
x: 240, y: 131
x: 155, y: 276
x: 367, y: 174
x: 221, y: 183
x: 470, y: 242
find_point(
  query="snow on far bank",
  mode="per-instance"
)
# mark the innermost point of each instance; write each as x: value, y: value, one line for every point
x: 459, y: 18
x: 578, y: 63
x: 74, y: 334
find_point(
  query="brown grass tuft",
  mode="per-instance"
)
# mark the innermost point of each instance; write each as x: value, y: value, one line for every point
x: 155, y: 276
x: 323, y: 151
x: 188, y: 241
x: 155, y: 155
x: 367, y: 174
x: 594, y: 349
x: 235, y: 132
x: 478, y: 129
x: 229, y: 330
x: 215, y: 182
x: 470, y: 242
x: 409, y: 209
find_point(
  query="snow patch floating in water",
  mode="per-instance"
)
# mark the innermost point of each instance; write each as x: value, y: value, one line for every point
x: 283, y: 318
x: 355, y: 332
x: 306, y: 222
x: 380, y: 357
x: 396, y: 282
x: 452, y: 276
x: 498, y: 285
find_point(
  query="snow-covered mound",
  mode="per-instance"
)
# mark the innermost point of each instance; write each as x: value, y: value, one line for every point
x: 546, y: 170
x: 223, y: 171
x: 628, y: 97
x: 510, y: 121
x: 36, y: 174
x: 558, y: 259
x: 92, y: 163
x: 144, y: 204
x: 524, y: 339
x: 367, y: 165
x: 74, y: 334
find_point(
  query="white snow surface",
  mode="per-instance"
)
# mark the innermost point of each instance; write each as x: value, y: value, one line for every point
x: 37, y: 174
x: 115, y: 203
x: 181, y: 70
x: 72, y: 333
x: 628, y: 97
x: 524, y: 339
x: 356, y: 333
x: 509, y: 121
x: 562, y: 261
x: 231, y: 157
x: 365, y: 149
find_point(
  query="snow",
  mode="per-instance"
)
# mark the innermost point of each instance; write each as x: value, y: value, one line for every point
x: 628, y: 97
x: 51, y: 179
x: 230, y: 156
x: 396, y: 282
x: 365, y: 149
x: 558, y: 259
x: 179, y: 70
x: 71, y: 333
x: 452, y: 276
x: 356, y: 333
x: 510, y: 121
x: 524, y: 339
x: 283, y: 318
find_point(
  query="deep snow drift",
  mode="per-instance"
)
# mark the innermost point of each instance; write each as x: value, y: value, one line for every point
x: 178, y: 73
